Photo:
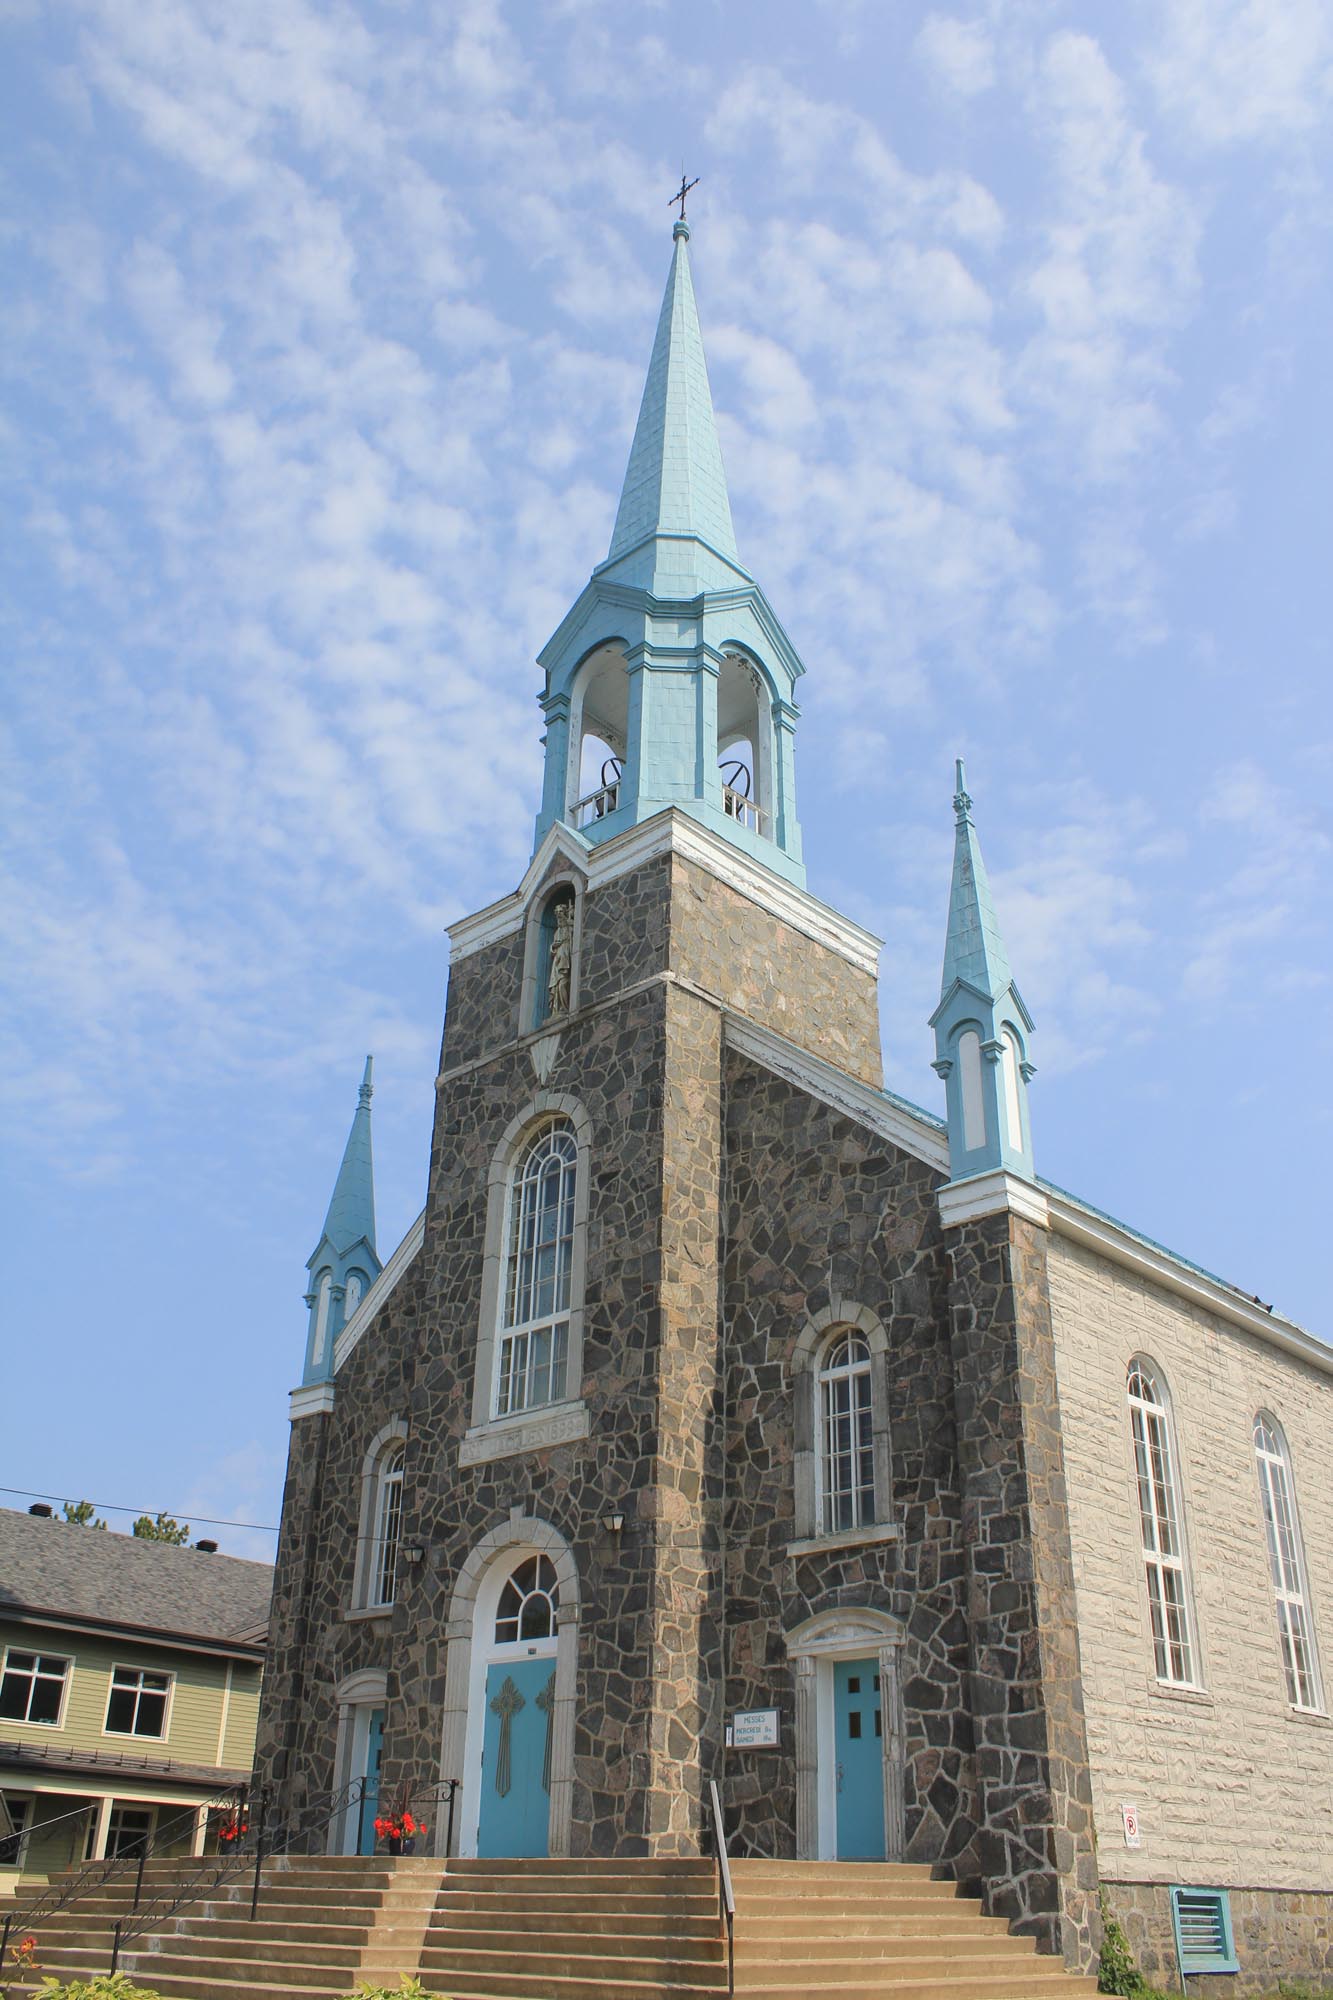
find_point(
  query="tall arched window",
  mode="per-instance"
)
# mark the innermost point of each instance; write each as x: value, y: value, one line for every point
x: 534, y: 1333
x: 388, y: 1519
x: 1160, y: 1525
x: 846, y: 1434
x: 1286, y: 1562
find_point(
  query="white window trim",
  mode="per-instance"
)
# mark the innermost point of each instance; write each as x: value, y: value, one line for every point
x: 804, y: 1372
x: 853, y: 1372
x: 10, y: 1722
x: 485, y: 1424
x: 366, y: 1565
x: 132, y: 1735
x: 1281, y: 1458
x: 1180, y: 1564
x: 27, y: 1803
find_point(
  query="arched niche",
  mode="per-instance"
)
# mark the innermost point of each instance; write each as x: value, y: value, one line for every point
x: 745, y: 741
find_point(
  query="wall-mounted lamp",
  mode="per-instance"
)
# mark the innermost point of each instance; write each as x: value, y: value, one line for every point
x: 613, y: 1523
x: 414, y: 1553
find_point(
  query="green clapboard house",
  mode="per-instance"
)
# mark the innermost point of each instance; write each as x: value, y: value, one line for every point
x: 129, y: 1691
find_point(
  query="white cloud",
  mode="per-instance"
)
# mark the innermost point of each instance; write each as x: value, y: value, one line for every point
x: 1238, y: 71
x: 959, y: 55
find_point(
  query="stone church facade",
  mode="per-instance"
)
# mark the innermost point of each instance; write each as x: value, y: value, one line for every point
x: 726, y: 1418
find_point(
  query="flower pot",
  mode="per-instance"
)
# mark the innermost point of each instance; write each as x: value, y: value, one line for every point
x: 394, y: 1843
x: 409, y: 1845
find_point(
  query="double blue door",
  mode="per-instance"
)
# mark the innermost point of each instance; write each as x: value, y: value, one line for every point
x: 516, y: 1758
x: 370, y: 1795
x: 858, y: 1729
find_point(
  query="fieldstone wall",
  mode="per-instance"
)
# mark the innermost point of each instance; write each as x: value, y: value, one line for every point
x: 1035, y: 1847
x: 1279, y: 1934
x: 773, y: 973
x: 817, y: 1208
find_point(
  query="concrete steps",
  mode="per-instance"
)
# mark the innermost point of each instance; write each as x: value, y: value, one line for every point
x: 563, y: 1930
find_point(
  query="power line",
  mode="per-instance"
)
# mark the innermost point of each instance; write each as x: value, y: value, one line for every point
x: 204, y: 1520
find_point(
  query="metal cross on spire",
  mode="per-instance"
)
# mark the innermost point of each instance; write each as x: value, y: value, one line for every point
x: 685, y: 187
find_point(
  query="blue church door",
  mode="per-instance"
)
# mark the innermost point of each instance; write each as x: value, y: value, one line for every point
x: 858, y: 1730
x: 516, y: 1758
x: 370, y: 1797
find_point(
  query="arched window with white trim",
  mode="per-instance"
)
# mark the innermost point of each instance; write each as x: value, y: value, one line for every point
x: 528, y: 1602
x: 1286, y: 1562
x: 1166, y: 1569
x: 388, y: 1528
x: 846, y: 1433
x: 532, y: 1348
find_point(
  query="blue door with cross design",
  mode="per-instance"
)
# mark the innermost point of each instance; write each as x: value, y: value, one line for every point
x: 370, y: 1790
x: 516, y: 1758
x: 858, y: 1731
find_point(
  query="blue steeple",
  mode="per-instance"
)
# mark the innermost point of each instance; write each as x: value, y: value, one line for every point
x: 981, y: 1025
x: 671, y: 682
x: 675, y: 485
x: 344, y: 1263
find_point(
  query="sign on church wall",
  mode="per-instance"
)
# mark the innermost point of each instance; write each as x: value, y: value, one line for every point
x: 754, y: 1729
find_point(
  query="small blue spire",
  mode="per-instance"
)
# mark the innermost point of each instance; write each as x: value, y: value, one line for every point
x: 344, y: 1264
x: 981, y: 1024
x: 351, y: 1216
x: 675, y: 483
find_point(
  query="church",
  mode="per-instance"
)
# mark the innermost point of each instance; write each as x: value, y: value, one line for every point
x: 726, y: 1418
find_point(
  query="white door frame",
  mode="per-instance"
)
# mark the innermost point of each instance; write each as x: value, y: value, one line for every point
x: 357, y: 1697
x: 472, y: 1650
x: 813, y: 1647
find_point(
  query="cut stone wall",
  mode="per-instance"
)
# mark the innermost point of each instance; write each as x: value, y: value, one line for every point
x: 1232, y: 1786
x: 1278, y: 1933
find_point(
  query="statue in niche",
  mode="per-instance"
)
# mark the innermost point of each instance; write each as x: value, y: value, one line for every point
x: 562, y: 958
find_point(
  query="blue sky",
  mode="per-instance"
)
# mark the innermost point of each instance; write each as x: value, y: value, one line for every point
x: 325, y: 328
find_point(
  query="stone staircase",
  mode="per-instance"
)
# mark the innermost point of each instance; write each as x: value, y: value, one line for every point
x: 566, y: 1930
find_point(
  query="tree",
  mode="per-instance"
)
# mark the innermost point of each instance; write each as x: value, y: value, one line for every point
x: 82, y: 1514
x: 163, y: 1529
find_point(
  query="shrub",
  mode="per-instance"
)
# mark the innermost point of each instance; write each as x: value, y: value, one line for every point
x: 407, y: 1989
x: 104, y: 1986
x: 1116, y: 1970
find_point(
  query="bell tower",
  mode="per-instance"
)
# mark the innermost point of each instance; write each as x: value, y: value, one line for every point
x: 671, y: 681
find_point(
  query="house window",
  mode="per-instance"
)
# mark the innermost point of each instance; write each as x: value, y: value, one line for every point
x: 1159, y: 1520
x: 388, y: 1517
x: 534, y: 1336
x: 1286, y: 1562
x: 846, y: 1435
x: 138, y: 1703
x: 528, y: 1602
x: 129, y: 1830
x: 32, y: 1688
x: 14, y: 1817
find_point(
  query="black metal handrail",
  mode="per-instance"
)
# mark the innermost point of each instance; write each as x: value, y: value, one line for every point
x: 96, y: 1874
x: 726, y: 1895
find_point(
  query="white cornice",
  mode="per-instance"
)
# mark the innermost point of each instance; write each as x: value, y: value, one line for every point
x: 887, y: 1116
x: 993, y: 1193
x: 316, y: 1400
x: 350, y: 1334
x: 1121, y: 1246
x: 673, y: 832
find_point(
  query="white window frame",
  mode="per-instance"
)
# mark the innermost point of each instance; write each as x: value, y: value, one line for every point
x: 36, y: 1653
x: 1286, y: 1564
x: 856, y: 1377
x: 16, y: 1804
x: 538, y: 1425
x: 519, y: 1329
x: 364, y: 1602
x: 388, y: 1530
x: 138, y: 1735
x: 1166, y: 1567
x: 820, y: 1335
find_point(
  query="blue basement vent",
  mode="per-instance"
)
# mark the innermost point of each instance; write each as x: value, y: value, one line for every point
x: 1202, y: 1920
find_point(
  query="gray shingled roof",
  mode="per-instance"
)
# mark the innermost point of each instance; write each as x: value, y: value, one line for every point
x: 78, y: 1572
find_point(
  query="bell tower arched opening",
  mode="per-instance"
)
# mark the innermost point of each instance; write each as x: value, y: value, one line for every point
x: 599, y: 736
x: 744, y: 744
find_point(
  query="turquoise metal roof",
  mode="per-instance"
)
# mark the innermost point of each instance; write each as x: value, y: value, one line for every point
x: 675, y: 483
x: 351, y: 1215
x: 974, y: 949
